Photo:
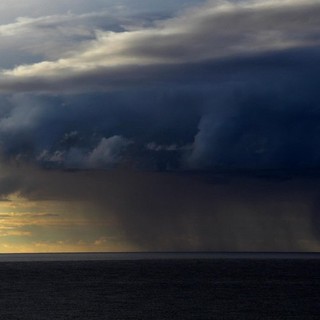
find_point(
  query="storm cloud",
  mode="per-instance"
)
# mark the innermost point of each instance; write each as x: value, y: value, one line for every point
x: 226, y: 83
x: 182, y: 123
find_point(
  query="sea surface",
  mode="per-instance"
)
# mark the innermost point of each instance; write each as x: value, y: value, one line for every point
x: 160, y: 286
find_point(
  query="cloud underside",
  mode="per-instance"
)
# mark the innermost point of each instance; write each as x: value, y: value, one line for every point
x: 156, y: 211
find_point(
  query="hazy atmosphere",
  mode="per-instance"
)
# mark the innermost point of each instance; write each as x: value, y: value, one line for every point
x: 145, y: 125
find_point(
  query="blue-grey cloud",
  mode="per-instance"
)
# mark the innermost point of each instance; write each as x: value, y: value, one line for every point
x: 55, y: 131
x: 41, y: 30
x: 39, y: 8
x: 228, y: 86
x: 115, y: 59
x: 249, y: 113
x: 203, y: 94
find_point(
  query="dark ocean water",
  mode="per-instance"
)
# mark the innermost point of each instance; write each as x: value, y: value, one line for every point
x: 191, y: 288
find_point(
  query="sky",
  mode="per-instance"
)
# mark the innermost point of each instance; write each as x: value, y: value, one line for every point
x: 144, y: 125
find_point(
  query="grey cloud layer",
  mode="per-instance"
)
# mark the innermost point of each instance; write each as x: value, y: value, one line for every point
x: 222, y: 85
x: 212, y: 32
x: 40, y: 8
x: 45, y: 30
x: 53, y: 36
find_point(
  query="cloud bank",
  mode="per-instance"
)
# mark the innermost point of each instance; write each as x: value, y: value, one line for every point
x: 226, y: 83
x: 211, y: 33
x: 174, y: 106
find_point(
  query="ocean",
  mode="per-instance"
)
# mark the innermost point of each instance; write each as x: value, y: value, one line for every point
x: 160, y: 286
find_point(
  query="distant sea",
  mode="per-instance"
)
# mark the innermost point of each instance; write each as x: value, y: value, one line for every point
x: 160, y: 286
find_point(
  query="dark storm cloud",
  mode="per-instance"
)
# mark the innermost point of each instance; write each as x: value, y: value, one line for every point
x: 250, y: 113
x: 243, y: 96
x: 54, y: 132
x: 225, y: 88
x: 267, y: 116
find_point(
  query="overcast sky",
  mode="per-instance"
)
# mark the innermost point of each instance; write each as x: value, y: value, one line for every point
x: 147, y: 125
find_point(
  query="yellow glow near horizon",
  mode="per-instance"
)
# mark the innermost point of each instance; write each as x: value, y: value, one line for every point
x: 55, y: 226
x: 60, y: 247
